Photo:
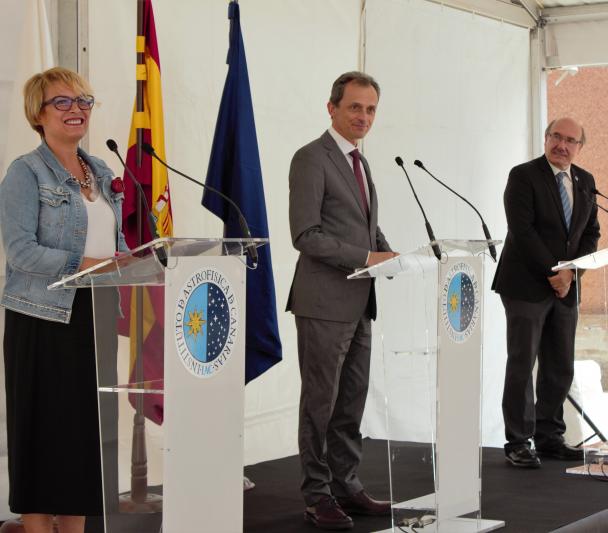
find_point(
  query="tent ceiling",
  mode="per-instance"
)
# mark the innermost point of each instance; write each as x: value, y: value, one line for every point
x: 560, y: 11
x: 567, y: 3
x: 528, y: 12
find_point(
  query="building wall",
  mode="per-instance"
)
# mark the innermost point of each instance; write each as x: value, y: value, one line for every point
x: 584, y: 97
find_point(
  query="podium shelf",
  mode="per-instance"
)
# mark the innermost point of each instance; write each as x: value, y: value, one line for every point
x: 156, y: 386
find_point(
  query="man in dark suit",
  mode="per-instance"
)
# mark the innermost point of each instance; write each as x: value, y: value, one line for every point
x: 551, y: 217
x: 333, y: 216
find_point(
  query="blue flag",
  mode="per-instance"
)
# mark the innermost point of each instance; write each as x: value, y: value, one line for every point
x: 234, y: 169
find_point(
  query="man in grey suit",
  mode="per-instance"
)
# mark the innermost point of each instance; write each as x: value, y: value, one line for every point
x: 333, y: 216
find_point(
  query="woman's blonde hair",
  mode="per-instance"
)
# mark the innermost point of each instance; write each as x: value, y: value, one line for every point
x: 33, y: 91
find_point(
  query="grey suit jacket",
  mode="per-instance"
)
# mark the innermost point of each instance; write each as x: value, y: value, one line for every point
x: 332, y: 233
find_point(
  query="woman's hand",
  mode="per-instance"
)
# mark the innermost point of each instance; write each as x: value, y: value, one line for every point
x: 88, y: 262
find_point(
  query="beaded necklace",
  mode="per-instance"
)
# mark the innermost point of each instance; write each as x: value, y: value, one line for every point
x: 86, y: 182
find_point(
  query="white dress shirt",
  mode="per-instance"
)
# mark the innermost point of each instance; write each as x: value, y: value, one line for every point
x: 567, y: 183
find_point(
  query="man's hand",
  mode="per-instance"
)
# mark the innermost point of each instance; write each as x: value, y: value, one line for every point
x: 560, y: 283
x: 378, y: 257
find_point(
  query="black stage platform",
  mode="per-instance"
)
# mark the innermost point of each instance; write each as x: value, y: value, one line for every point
x: 528, y: 501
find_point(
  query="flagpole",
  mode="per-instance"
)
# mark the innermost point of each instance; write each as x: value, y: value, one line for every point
x: 139, y: 501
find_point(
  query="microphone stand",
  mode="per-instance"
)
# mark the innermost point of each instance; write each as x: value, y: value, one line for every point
x: 250, y: 248
x: 139, y: 500
x: 159, y: 251
x: 485, y: 229
x: 588, y: 193
x: 429, y: 230
x: 595, y: 191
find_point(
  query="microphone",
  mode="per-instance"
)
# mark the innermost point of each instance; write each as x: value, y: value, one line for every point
x: 486, y: 232
x: 587, y: 193
x: 429, y: 230
x: 159, y: 251
x: 595, y: 191
x: 252, y: 251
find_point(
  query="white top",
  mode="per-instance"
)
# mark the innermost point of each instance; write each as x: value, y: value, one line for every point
x: 101, y: 229
x: 346, y: 147
x: 567, y: 182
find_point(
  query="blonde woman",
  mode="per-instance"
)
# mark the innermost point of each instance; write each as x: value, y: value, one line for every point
x: 58, y: 215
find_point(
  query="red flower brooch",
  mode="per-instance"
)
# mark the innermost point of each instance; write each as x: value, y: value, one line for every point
x: 118, y: 185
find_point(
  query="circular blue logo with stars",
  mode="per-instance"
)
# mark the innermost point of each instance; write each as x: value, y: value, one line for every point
x: 460, y: 302
x: 206, y: 322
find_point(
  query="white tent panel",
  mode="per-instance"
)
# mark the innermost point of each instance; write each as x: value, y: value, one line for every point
x: 577, y: 43
x: 569, y: 3
x: 456, y: 96
x: 295, y: 50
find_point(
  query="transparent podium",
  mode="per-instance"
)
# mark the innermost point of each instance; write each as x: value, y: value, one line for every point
x: 430, y: 319
x: 170, y: 342
x: 587, y: 395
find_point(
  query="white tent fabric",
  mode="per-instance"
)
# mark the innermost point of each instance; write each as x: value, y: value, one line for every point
x: 456, y: 97
x: 581, y: 43
x: 291, y: 71
x: 35, y: 54
x: 454, y: 93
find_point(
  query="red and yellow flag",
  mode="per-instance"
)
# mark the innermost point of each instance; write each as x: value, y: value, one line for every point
x: 153, y: 178
x: 151, y: 174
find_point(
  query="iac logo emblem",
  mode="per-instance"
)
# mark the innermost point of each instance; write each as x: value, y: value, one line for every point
x: 460, y: 302
x: 206, y: 323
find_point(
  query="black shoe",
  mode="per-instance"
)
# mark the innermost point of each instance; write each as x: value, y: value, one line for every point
x: 562, y: 452
x: 327, y: 514
x: 523, y: 457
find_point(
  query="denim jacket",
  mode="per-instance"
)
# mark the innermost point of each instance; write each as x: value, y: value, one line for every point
x: 44, y: 227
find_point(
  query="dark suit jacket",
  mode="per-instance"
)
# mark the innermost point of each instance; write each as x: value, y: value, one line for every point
x: 332, y: 233
x: 537, y: 236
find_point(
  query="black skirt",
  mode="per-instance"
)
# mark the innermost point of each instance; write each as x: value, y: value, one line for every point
x: 52, y: 417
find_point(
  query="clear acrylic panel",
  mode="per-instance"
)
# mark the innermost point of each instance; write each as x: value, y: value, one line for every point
x: 409, y: 261
x: 130, y: 384
x: 128, y: 299
x: 144, y: 265
x: 433, y: 386
x: 409, y: 347
x: 586, y: 408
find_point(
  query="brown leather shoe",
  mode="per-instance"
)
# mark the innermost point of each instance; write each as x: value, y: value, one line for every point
x: 327, y: 514
x: 362, y: 503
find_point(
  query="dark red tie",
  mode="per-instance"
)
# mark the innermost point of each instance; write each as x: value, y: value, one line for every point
x: 359, y: 175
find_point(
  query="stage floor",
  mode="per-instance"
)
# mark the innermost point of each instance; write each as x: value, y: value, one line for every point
x: 528, y: 501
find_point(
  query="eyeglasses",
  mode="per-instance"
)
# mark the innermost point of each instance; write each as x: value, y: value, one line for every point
x: 570, y: 141
x: 64, y: 103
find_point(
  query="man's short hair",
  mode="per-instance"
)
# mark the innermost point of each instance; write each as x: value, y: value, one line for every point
x: 583, y: 138
x: 359, y: 78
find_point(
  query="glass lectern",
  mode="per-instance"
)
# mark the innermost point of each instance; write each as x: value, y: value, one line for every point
x: 170, y: 336
x: 431, y: 320
x: 587, y: 395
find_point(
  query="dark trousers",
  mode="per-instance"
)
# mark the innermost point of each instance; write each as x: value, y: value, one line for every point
x: 546, y: 330
x: 334, y: 366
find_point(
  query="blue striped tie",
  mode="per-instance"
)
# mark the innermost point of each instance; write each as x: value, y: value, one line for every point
x: 564, y: 197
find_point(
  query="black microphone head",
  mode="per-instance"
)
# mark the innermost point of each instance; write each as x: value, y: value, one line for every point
x: 418, y: 163
x: 147, y: 148
x: 399, y: 161
x: 111, y: 144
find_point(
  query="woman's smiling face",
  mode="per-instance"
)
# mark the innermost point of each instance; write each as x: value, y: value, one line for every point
x: 63, y: 126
